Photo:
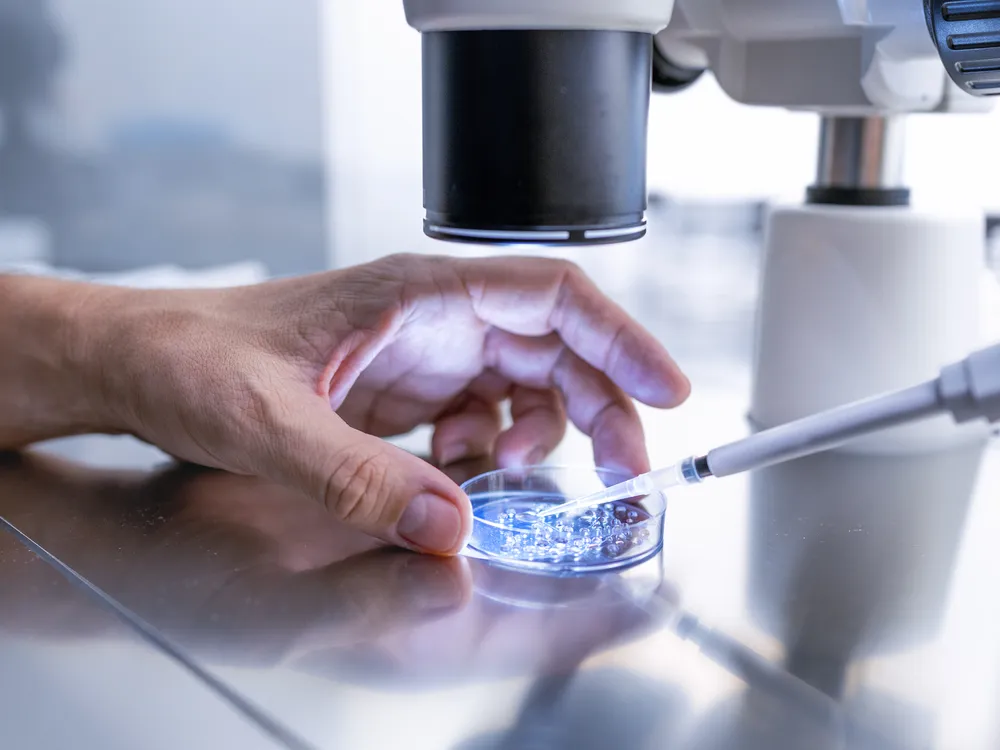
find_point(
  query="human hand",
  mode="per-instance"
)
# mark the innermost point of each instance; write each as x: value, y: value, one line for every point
x: 297, y: 380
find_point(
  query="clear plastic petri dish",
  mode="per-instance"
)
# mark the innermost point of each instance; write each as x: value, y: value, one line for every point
x: 611, y: 536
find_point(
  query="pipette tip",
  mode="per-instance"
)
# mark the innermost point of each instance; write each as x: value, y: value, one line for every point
x: 692, y: 470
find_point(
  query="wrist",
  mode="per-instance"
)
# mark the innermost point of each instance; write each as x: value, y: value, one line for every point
x: 89, y: 321
x: 51, y: 378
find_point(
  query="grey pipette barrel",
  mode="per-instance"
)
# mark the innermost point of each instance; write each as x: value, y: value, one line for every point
x: 968, y: 390
x: 825, y: 430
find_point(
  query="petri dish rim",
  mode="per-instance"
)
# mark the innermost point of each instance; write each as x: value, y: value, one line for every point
x: 659, y: 499
x: 654, y: 504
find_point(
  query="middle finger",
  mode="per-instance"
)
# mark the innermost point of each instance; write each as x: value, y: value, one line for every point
x: 594, y: 404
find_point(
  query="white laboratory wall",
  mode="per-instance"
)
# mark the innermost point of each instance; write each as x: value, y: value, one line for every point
x: 704, y: 146
x: 174, y: 132
x: 372, y: 67
x: 955, y: 159
x: 701, y: 144
x: 249, y: 67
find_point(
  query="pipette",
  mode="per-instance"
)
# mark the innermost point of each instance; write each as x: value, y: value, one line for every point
x: 968, y: 390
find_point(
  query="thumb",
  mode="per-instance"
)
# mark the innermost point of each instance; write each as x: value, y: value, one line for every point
x: 369, y: 484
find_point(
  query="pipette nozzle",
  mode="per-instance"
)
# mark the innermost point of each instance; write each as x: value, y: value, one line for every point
x: 692, y: 470
x: 695, y: 469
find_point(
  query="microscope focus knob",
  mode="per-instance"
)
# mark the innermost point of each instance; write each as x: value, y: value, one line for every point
x: 967, y: 34
x: 670, y: 75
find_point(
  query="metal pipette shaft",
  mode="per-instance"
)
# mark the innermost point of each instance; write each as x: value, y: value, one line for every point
x: 968, y: 389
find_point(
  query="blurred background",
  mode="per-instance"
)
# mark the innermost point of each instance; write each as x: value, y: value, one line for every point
x: 139, y: 132
x: 184, y: 142
x: 179, y: 132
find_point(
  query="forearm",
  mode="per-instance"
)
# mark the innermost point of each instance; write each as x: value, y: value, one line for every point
x: 50, y: 384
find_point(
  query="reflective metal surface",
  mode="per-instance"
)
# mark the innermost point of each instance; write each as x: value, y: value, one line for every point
x: 76, y: 675
x: 840, y: 601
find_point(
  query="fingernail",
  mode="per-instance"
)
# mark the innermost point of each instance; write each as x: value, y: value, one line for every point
x: 431, y: 523
x: 536, y: 456
x: 452, y: 453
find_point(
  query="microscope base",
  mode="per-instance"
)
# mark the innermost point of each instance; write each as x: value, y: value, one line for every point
x: 856, y: 301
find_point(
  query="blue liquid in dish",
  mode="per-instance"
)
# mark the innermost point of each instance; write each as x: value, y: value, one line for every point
x: 610, y: 534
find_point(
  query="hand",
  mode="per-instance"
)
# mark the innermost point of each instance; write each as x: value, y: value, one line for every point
x: 296, y: 380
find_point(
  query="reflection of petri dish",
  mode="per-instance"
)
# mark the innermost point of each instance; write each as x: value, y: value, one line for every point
x: 525, y: 589
x: 611, y: 536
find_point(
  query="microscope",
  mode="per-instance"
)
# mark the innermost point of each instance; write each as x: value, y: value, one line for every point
x: 535, y: 129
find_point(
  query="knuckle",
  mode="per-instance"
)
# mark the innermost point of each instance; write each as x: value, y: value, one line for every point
x: 396, y: 259
x: 357, y: 489
x: 615, y: 353
x: 570, y: 270
x: 404, y: 262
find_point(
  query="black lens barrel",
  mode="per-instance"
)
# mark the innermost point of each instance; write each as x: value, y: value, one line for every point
x: 535, y: 136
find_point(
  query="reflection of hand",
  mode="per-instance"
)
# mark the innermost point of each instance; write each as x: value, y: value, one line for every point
x: 266, y: 615
x: 244, y: 379
x: 516, y: 624
x: 246, y: 571
x: 232, y: 567
x: 311, y: 588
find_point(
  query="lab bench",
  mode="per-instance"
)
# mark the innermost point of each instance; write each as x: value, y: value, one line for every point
x: 844, y: 600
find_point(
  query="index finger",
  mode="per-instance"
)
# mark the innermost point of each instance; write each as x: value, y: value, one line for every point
x: 538, y: 296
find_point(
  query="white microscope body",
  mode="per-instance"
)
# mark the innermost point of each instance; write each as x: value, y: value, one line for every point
x: 535, y: 132
x: 861, y: 292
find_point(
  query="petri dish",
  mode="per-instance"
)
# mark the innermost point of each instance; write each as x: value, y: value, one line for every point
x: 609, y: 537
